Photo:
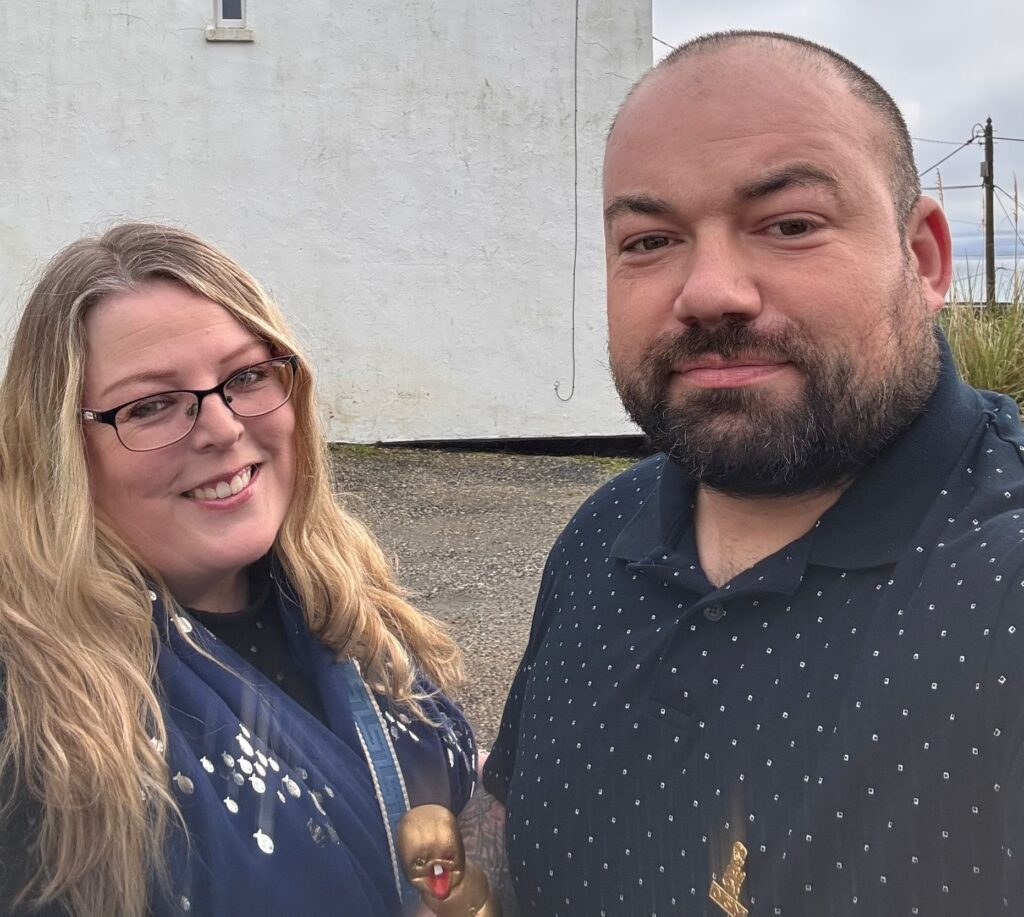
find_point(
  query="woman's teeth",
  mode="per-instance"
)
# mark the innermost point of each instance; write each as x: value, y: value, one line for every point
x: 222, y: 489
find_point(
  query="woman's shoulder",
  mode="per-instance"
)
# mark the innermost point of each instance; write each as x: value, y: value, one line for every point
x: 19, y: 817
x: 436, y: 749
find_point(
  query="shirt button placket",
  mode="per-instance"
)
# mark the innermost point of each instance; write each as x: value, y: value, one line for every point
x: 714, y: 612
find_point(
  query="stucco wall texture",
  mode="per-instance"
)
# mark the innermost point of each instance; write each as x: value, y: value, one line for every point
x: 411, y: 179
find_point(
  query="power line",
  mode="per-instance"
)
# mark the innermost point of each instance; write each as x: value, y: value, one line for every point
x: 665, y: 43
x: 1007, y: 212
x: 967, y: 142
x: 1013, y: 139
x: 927, y: 140
x: 949, y: 187
x: 1007, y: 193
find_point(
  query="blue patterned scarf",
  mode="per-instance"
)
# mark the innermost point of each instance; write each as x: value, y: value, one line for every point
x: 281, y: 809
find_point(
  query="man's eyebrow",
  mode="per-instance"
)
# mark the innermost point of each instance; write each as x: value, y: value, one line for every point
x: 635, y: 203
x: 799, y: 175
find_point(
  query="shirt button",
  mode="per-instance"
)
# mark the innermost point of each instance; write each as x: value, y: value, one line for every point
x: 714, y: 612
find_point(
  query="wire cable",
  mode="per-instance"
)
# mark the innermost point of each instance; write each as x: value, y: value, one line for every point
x: 1009, y: 196
x: 1007, y: 212
x: 927, y: 140
x: 576, y: 195
x: 972, y: 139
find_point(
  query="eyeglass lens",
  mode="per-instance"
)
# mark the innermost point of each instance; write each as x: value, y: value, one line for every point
x: 162, y: 419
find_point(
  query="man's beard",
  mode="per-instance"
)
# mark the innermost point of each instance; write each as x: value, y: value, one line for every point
x: 752, y: 441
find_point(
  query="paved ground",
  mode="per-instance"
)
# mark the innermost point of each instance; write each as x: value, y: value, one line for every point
x: 471, y: 531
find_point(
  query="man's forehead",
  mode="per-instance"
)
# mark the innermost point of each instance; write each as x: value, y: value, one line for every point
x: 725, y: 95
x: 746, y: 68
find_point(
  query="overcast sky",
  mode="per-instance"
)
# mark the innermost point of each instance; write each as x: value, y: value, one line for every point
x: 949, y: 65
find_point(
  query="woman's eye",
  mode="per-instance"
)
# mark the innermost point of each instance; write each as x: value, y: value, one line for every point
x: 147, y: 409
x: 248, y: 377
x: 648, y: 244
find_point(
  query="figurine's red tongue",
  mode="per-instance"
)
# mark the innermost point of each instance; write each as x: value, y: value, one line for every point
x: 440, y: 882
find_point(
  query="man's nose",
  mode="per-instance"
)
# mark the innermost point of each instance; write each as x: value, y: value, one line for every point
x: 717, y: 284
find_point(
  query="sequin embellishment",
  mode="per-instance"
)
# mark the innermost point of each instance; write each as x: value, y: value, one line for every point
x: 183, y: 624
x: 264, y: 841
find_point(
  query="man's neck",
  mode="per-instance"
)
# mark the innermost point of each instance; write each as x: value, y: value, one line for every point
x: 733, y: 533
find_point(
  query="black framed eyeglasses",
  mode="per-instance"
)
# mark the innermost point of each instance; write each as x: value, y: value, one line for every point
x: 164, y: 418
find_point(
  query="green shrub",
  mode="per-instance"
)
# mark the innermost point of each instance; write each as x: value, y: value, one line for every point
x: 988, y: 344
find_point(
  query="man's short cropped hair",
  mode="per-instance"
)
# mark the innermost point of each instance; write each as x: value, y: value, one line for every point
x: 903, y: 179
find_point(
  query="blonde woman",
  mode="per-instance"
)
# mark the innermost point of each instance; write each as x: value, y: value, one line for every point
x: 216, y: 699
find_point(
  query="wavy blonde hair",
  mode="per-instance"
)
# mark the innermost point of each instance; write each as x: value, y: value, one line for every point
x: 84, y: 730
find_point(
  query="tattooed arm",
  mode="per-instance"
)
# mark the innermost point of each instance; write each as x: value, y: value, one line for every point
x: 483, y: 831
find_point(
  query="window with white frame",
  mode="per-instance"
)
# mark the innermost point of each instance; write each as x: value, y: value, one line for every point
x: 229, y: 22
x: 230, y: 14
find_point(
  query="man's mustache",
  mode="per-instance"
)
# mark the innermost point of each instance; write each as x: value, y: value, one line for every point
x: 729, y: 339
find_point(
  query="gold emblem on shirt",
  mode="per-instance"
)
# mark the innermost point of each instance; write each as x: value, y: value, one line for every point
x: 727, y: 894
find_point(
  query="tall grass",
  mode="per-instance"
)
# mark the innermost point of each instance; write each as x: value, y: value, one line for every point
x: 988, y: 342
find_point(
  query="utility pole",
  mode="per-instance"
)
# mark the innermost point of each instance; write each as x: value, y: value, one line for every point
x: 988, y: 181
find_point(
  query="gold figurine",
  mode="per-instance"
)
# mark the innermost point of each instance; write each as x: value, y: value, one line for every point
x: 727, y: 894
x: 434, y: 859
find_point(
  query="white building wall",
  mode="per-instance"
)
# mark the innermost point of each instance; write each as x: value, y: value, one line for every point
x: 407, y: 177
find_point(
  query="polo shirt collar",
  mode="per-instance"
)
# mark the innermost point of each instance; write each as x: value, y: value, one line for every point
x: 872, y: 522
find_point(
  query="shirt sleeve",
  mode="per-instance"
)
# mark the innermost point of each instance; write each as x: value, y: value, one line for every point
x: 1003, y: 683
x: 500, y: 763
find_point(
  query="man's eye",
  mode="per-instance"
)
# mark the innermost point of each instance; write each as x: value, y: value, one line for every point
x: 789, y: 228
x: 648, y: 244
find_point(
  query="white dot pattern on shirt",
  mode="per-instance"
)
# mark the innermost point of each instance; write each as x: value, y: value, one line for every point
x: 845, y: 727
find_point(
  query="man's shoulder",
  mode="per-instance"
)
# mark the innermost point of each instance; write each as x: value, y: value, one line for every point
x: 629, y: 489
x: 611, y: 507
x: 991, y: 475
x: 977, y: 520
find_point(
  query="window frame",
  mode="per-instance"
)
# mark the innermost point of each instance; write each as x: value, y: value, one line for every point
x: 222, y: 29
x: 221, y: 22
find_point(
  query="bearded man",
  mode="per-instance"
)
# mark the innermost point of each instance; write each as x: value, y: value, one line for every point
x: 777, y: 668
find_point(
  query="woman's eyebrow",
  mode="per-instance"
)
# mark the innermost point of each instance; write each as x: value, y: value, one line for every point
x: 166, y: 377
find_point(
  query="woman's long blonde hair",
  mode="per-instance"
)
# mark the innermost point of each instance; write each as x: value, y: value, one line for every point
x: 82, y: 731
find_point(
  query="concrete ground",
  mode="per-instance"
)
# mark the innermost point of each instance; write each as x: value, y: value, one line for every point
x: 470, y: 532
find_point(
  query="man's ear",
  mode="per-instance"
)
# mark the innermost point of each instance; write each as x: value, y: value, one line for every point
x: 931, y: 251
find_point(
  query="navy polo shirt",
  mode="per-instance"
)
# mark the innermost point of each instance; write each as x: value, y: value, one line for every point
x: 835, y: 731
